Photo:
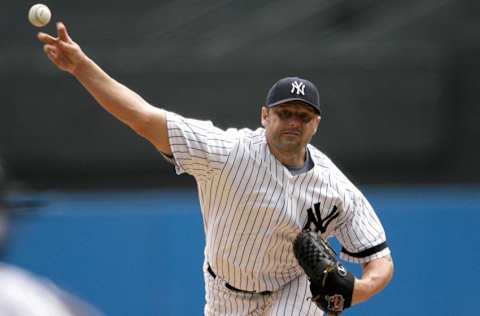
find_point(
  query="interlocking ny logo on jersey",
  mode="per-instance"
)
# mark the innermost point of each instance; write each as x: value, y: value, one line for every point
x: 315, y: 219
x: 298, y: 88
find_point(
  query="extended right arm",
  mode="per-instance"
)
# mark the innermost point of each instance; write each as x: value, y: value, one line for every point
x: 123, y: 103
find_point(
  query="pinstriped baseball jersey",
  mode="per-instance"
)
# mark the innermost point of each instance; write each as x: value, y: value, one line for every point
x: 253, y: 207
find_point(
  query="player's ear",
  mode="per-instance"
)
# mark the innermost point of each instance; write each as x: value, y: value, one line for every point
x: 264, y: 115
x: 317, y: 123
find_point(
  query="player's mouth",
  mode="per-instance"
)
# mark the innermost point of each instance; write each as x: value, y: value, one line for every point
x: 291, y: 132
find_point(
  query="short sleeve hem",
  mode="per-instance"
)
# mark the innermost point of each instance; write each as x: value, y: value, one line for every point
x: 366, y: 255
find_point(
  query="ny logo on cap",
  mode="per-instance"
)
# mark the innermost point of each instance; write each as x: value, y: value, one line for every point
x: 299, y: 86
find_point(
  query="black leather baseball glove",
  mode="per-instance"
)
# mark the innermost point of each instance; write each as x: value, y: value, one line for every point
x: 330, y: 283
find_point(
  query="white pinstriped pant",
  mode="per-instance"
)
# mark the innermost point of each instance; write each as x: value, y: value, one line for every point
x: 291, y: 300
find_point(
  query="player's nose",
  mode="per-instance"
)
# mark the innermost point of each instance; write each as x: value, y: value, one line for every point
x: 294, y: 121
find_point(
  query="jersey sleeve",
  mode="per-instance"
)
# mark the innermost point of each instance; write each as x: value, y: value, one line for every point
x: 199, y: 148
x: 361, y: 233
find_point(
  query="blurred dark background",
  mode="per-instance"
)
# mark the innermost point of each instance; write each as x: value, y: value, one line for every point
x: 399, y: 83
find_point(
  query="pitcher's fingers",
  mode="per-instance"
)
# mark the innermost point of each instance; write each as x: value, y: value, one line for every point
x: 50, y: 49
x: 62, y: 32
x: 52, y: 55
x: 67, y: 47
x: 46, y: 39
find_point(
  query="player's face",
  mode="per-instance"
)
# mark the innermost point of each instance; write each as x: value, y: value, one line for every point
x: 289, y: 127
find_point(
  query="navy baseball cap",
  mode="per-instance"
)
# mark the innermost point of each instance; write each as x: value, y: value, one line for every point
x: 293, y: 89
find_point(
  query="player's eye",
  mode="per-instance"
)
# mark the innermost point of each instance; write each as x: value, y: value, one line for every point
x: 284, y: 114
x: 302, y: 116
x: 305, y: 117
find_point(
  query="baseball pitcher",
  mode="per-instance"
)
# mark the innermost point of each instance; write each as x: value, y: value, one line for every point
x: 269, y: 199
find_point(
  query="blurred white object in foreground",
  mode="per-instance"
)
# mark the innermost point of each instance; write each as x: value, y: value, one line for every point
x: 22, y: 293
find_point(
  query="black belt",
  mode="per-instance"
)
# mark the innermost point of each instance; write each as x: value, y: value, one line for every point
x: 228, y: 286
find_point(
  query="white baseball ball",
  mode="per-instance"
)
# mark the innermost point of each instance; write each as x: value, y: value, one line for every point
x: 39, y: 15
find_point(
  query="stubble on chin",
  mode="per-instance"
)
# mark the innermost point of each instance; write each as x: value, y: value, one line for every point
x: 289, y: 145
